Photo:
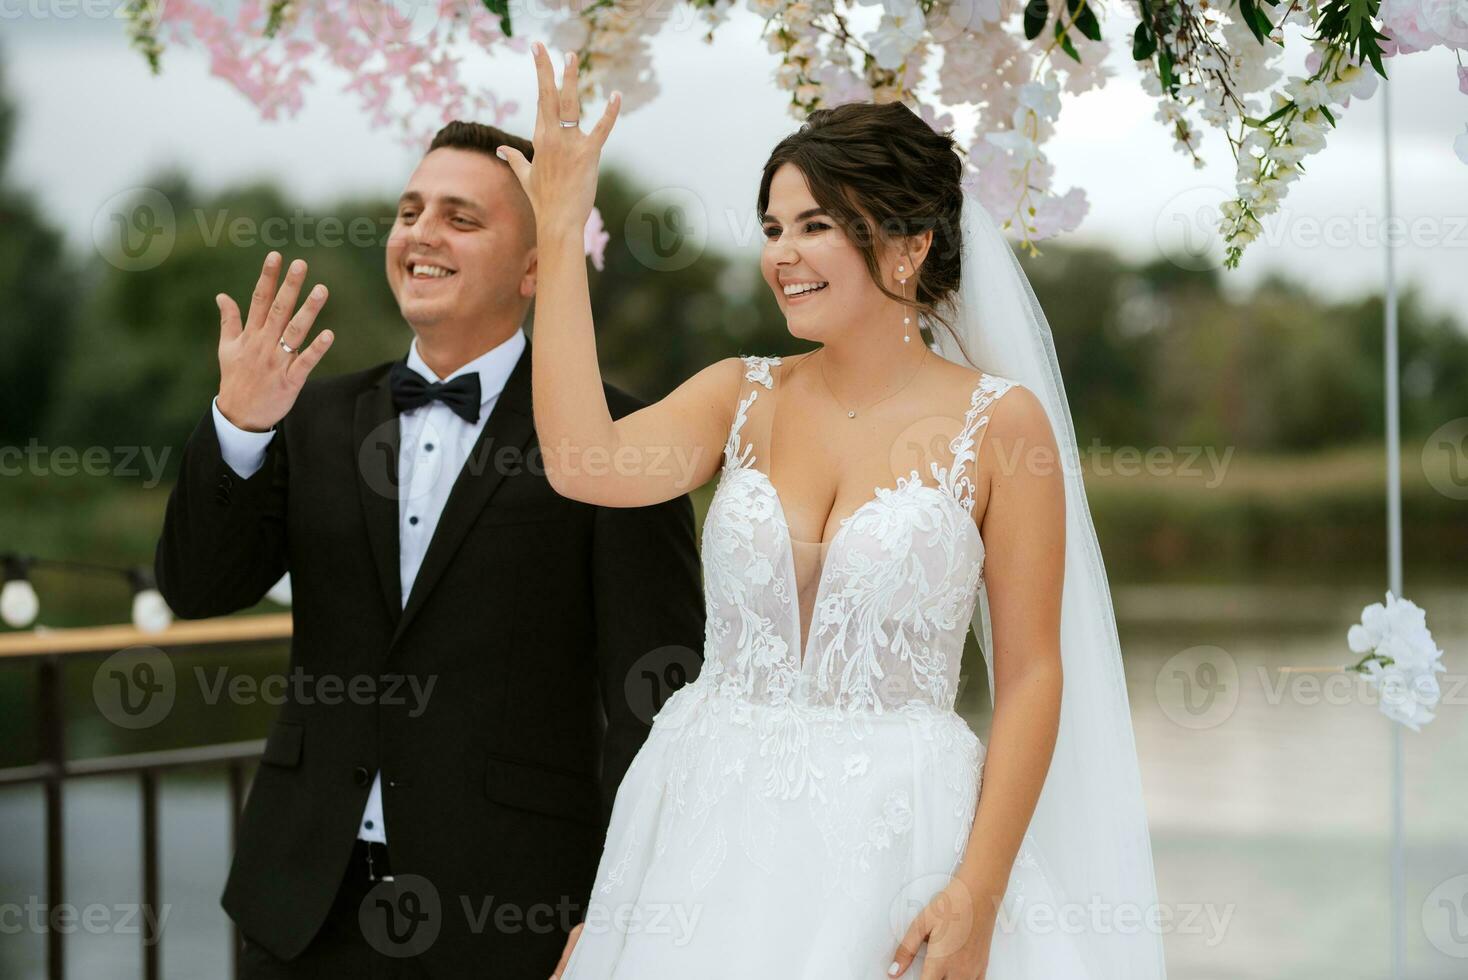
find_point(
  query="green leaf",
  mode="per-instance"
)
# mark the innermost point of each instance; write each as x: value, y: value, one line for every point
x: 1277, y: 113
x: 1088, y: 25
x: 1037, y: 12
x: 1359, y: 12
x: 502, y: 9
x: 1263, y: 24
x: 1144, y: 44
x: 1063, y: 36
x: 1251, y: 18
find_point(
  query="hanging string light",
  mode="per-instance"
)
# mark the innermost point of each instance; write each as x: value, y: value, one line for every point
x: 19, y: 604
x: 150, y: 612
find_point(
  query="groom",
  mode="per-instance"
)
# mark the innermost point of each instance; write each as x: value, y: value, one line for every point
x: 434, y: 796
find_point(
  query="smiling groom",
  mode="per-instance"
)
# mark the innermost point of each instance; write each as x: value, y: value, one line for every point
x: 458, y: 836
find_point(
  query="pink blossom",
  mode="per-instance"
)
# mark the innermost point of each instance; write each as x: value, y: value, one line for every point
x: 596, y: 238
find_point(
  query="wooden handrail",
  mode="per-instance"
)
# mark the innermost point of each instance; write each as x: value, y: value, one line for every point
x: 95, y: 639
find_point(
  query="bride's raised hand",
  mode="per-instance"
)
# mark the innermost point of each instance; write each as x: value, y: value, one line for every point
x: 561, y: 183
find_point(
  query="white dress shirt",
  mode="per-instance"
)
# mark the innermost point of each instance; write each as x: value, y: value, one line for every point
x: 434, y: 445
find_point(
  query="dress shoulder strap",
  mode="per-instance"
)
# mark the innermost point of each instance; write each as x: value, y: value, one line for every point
x: 965, y: 446
x: 757, y: 370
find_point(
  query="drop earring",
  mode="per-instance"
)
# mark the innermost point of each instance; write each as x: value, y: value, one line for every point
x: 906, y: 318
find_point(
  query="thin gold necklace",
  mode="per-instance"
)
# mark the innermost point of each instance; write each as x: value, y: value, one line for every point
x: 851, y: 412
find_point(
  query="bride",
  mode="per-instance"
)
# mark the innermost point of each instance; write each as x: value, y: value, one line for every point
x: 809, y: 808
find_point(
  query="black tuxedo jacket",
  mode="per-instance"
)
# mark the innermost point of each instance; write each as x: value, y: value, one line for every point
x: 537, y: 619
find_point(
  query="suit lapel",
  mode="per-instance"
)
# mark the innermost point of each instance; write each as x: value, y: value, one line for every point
x: 375, y: 435
x: 510, y: 424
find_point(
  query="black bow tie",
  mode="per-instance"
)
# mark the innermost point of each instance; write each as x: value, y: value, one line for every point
x: 411, y: 390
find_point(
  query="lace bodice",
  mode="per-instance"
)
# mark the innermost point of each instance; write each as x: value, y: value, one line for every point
x: 893, y: 597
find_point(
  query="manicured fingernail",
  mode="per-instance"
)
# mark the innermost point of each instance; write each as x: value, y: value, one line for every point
x: 539, y: 48
x: 570, y: 58
x: 500, y: 152
x: 616, y: 96
x: 318, y: 290
x: 892, y: 970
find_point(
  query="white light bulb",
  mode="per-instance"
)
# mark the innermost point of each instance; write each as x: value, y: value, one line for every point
x: 18, y: 603
x: 150, y: 612
x: 280, y: 592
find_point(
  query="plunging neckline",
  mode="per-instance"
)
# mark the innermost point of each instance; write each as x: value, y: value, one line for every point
x: 803, y: 642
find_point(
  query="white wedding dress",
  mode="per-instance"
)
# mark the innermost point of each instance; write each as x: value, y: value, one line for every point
x: 797, y: 805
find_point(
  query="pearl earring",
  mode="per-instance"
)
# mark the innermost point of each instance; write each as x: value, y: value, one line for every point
x: 906, y: 320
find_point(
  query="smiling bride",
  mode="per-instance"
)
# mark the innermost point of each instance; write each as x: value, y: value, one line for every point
x: 810, y: 807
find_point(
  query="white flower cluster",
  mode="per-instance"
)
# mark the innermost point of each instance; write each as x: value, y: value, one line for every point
x: 1402, y: 660
x: 1270, y: 156
x: 1014, y: 84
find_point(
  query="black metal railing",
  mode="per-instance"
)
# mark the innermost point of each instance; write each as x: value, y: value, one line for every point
x: 50, y: 651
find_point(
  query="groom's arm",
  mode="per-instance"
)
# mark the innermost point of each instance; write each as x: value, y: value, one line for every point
x: 649, y: 596
x: 223, y: 542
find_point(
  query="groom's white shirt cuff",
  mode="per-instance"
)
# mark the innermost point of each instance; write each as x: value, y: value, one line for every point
x: 243, y: 451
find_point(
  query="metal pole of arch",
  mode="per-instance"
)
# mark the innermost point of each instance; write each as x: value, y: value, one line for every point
x: 1393, y: 530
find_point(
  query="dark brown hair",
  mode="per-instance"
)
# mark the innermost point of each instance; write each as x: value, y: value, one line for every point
x: 882, y: 174
x: 460, y: 135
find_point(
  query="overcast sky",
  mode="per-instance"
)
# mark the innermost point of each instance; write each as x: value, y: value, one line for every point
x: 94, y: 122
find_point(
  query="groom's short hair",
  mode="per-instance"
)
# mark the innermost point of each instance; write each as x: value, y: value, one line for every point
x: 460, y: 135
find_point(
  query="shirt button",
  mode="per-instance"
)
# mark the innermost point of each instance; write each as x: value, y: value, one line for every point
x: 428, y: 447
x: 369, y: 824
x: 361, y: 776
x: 412, y: 520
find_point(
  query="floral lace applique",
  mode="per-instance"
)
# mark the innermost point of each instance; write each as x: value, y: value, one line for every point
x: 776, y: 731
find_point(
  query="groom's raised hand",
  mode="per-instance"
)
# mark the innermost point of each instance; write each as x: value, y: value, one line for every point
x: 264, y: 361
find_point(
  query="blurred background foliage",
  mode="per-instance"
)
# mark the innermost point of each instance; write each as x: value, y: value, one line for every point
x: 1283, y: 388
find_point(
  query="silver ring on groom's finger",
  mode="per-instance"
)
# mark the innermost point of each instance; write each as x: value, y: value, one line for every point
x: 288, y: 348
x: 570, y: 123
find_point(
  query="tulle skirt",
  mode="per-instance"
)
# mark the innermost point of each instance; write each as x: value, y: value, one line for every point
x: 793, y: 843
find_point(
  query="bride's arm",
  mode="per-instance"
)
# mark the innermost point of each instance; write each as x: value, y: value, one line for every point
x: 1024, y: 536
x: 651, y: 455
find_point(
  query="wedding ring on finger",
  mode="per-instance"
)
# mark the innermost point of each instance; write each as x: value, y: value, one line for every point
x: 570, y: 123
x: 288, y: 348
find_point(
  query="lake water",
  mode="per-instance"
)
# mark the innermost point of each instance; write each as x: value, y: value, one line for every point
x: 1268, y: 796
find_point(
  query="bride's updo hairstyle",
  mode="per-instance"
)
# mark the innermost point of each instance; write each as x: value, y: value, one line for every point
x: 883, y: 174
